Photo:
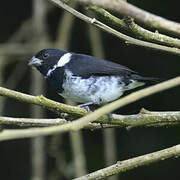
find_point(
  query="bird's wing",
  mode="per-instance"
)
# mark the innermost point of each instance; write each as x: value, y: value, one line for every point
x: 86, y: 66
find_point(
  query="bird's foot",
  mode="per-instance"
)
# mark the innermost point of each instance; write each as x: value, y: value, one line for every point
x: 86, y: 106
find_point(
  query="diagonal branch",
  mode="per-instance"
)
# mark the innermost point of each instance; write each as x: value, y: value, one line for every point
x: 43, y: 102
x: 129, y: 25
x: 81, y: 122
x: 148, y: 19
x: 123, y: 37
x: 123, y: 166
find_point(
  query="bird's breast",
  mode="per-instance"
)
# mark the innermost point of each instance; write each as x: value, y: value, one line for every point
x: 97, y: 89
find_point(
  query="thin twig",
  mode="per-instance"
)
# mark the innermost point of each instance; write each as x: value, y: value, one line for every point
x: 127, y: 39
x: 129, y: 25
x: 31, y: 122
x: 142, y: 16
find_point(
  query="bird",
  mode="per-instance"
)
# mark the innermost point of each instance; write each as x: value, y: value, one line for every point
x: 86, y: 79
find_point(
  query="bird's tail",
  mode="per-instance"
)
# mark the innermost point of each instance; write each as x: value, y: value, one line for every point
x: 148, y: 80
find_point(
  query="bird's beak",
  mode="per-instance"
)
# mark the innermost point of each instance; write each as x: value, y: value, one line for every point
x: 34, y: 62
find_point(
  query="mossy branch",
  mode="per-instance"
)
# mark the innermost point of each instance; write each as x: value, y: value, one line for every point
x: 81, y: 122
x: 34, y: 122
x: 148, y: 119
x: 123, y: 166
x: 140, y: 15
x: 129, y: 25
x: 43, y: 102
x: 30, y: 122
x: 123, y: 37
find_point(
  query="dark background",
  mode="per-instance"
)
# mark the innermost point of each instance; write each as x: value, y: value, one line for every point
x: 15, y: 154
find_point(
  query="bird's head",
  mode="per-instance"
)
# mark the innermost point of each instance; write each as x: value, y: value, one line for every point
x: 46, y: 59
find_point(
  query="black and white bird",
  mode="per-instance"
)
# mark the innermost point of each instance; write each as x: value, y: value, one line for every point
x: 86, y: 79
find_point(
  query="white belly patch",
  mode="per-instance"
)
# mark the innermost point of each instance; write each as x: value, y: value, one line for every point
x: 96, y: 89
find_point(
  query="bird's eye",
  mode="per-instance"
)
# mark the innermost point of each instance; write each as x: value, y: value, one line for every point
x: 45, y: 55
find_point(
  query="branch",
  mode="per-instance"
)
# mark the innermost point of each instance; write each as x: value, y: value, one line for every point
x: 34, y: 132
x: 30, y: 122
x: 34, y: 122
x: 43, y: 102
x: 127, y: 39
x: 81, y: 122
x: 144, y: 17
x: 74, y: 110
x: 129, y: 25
x: 143, y: 119
x: 151, y: 119
x: 123, y: 166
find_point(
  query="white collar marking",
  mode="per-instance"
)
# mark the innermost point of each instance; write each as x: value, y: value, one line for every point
x: 62, y: 62
x: 51, y: 70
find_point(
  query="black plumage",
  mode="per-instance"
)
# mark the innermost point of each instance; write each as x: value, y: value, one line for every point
x: 86, y: 66
x: 84, y: 78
